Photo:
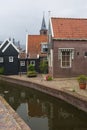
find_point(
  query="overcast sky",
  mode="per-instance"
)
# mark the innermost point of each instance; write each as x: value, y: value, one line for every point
x: 18, y: 17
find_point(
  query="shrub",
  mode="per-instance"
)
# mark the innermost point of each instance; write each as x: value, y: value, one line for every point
x: 31, y: 71
x: 1, y: 70
x: 44, y: 66
x: 31, y: 67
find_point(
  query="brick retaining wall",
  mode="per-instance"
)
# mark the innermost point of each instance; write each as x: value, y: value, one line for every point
x: 70, y: 97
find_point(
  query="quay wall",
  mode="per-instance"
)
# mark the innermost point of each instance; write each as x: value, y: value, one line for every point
x: 70, y: 97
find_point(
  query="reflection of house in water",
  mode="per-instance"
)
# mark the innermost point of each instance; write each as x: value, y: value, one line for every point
x: 35, y: 109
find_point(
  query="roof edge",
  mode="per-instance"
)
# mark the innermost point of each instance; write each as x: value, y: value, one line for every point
x: 70, y: 39
x: 10, y: 43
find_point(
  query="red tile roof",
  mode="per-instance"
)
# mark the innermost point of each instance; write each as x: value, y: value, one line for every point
x: 69, y: 28
x: 34, y: 45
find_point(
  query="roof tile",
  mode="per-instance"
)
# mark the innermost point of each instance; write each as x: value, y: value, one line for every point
x: 69, y: 28
x: 34, y: 45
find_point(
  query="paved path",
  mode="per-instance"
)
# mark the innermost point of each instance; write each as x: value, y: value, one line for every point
x: 9, y: 119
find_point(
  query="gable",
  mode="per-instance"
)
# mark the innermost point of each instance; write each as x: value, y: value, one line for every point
x: 10, y: 44
x: 4, y: 44
x: 69, y: 28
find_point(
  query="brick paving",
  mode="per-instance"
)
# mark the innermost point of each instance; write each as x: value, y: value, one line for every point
x: 9, y: 119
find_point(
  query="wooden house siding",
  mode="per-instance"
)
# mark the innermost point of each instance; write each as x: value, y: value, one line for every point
x: 9, y: 52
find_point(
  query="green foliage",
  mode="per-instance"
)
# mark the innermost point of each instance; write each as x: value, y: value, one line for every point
x: 31, y: 71
x: 1, y: 70
x: 43, y: 66
x: 31, y: 74
x: 48, y: 77
x: 82, y: 79
x: 31, y: 67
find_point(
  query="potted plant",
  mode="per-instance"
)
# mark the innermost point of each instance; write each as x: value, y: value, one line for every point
x: 48, y: 77
x: 82, y: 79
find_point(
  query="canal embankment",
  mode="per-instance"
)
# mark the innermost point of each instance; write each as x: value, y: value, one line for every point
x: 66, y: 89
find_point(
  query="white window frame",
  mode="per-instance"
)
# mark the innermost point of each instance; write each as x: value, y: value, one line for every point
x: 11, y: 58
x: 71, y: 50
x: 22, y: 63
x: 1, y: 59
x: 32, y: 62
x: 44, y: 46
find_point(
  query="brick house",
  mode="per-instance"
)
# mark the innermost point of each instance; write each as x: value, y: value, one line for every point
x: 67, y: 47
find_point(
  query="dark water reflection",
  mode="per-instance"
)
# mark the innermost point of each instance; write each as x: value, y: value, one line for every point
x: 41, y: 111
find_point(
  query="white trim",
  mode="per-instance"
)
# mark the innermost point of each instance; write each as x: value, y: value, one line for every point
x: 4, y: 42
x: 26, y: 45
x: 10, y: 43
x: 32, y: 62
x: 22, y: 63
x: 51, y: 27
x: 70, y: 60
x: 11, y: 58
x: 66, y: 48
x: 44, y: 43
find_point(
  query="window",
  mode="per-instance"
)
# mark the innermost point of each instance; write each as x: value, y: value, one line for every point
x: 85, y: 54
x: 10, y: 58
x: 66, y: 56
x: 32, y: 62
x: 1, y: 60
x: 77, y: 53
x: 44, y: 48
x: 66, y: 60
x: 22, y: 63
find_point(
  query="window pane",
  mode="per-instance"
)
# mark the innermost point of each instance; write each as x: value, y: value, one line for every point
x: 65, y: 59
x: 10, y: 58
x: 22, y: 63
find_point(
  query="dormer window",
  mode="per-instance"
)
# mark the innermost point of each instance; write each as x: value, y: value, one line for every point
x: 44, y: 48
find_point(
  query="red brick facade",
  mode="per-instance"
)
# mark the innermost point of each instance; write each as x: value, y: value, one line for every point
x: 78, y: 63
x: 69, y: 35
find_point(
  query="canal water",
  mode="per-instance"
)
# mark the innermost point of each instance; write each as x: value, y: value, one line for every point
x: 41, y: 111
